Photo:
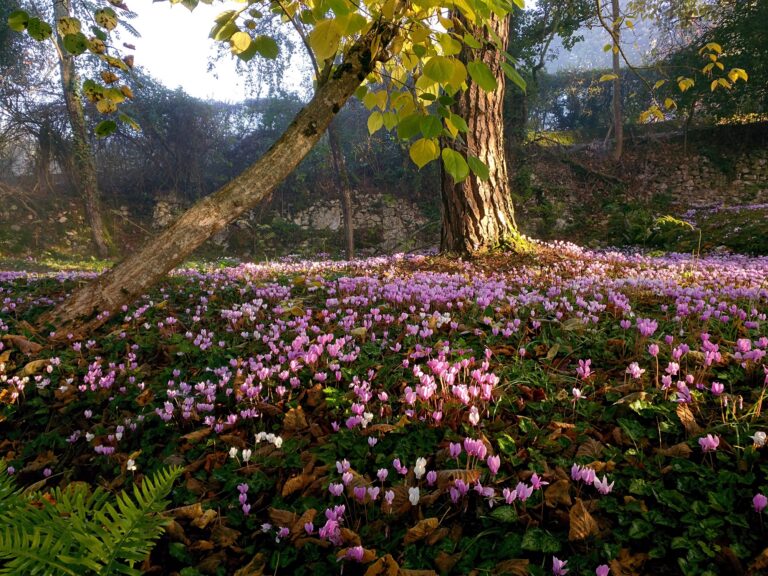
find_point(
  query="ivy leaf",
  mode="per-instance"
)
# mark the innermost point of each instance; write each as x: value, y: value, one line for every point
x: 482, y: 75
x: 423, y: 151
x: 324, y: 39
x: 18, y: 20
x: 455, y: 165
x: 105, y: 128
x: 439, y: 69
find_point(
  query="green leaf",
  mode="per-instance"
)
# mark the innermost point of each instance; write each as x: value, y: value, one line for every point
x: 266, y: 46
x: 38, y: 29
x: 130, y: 121
x: 324, y: 39
x: 409, y: 126
x: 506, y: 514
x: 223, y: 32
x: 459, y: 122
x: 76, y: 43
x: 538, y: 540
x: 478, y: 167
x: 455, y: 165
x: 375, y: 122
x: 68, y: 26
x: 105, y: 128
x: 482, y: 75
x: 340, y: 7
x: 471, y: 41
x: 17, y: 21
x: 423, y: 151
x: 439, y: 69
x: 106, y: 18
x: 430, y: 126
x: 513, y: 75
x: 608, y: 77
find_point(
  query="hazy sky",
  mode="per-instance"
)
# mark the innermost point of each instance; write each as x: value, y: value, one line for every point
x: 174, y: 47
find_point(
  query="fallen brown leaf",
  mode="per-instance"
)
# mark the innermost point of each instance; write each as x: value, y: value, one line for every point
x: 558, y: 494
x: 385, y: 566
x: 254, y: 568
x: 22, y: 344
x: 206, y: 518
x: 513, y: 566
x: 191, y: 512
x: 688, y: 420
x: 591, y: 448
x: 681, y: 450
x: 223, y: 536
x: 421, y: 530
x: 294, y: 420
x: 582, y: 524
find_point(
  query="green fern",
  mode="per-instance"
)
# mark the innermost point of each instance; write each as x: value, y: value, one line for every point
x: 75, y: 531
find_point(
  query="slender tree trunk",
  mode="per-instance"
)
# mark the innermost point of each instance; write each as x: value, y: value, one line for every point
x: 83, y: 162
x: 341, y: 175
x: 478, y: 215
x: 84, y: 309
x: 618, y: 120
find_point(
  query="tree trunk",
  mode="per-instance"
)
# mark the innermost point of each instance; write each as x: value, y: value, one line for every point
x: 478, y: 215
x: 618, y: 120
x: 85, y: 308
x: 83, y: 162
x: 345, y: 191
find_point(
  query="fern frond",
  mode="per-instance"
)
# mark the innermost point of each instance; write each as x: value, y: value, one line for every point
x: 136, y: 523
x: 35, y: 553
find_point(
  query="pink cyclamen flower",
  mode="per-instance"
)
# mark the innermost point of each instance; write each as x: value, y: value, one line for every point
x: 577, y: 394
x: 717, y: 388
x: 603, y: 570
x: 709, y: 443
x: 558, y: 566
x: 759, y: 502
x: 494, y: 462
x: 536, y: 482
x: 584, y: 369
x: 602, y: 485
x: 355, y: 553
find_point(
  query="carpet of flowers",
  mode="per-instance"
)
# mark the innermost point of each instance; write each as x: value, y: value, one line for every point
x: 574, y: 413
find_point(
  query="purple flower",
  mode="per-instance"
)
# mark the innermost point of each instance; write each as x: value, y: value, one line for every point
x: 584, y: 369
x: 536, y: 482
x: 558, y: 566
x: 431, y: 477
x: 759, y: 502
x: 455, y: 449
x: 602, y: 570
x: 355, y: 553
x: 709, y: 443
x: 717, y: 388
x: 602, y: 485
x: 653, y: 350
x: 634, y: 370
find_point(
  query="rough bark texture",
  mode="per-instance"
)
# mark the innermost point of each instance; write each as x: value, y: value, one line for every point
x: 83, y: 163
x: 618, y: 120
x: 479, y: 215
x: 345, y: 190
x: 139, y: 271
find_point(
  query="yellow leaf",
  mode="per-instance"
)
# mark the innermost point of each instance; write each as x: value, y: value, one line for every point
x: 659, y: 84
x: 713, y: 86
x: 670, y: 104
x: 423, y: 151
x: 375, y: 121
x: 324, y: 39
x: 239, y: 42
x: 607, y: 77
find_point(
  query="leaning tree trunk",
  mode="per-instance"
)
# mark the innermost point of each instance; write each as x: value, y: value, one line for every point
x: 345, y: 192
x: 478, y: 215
x: 618, y: 120
x: 83, y: 162
x: 83, y: 310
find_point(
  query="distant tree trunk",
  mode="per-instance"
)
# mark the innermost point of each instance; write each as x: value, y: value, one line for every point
x: 83, y: 310
x: 478, y: 215
x: 345, y: 190
x: 618, y: 120
x: 83, y: 162
x: 43, y: 160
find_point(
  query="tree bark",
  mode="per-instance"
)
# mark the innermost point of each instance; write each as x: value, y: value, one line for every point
x: 478, y: 215
x: 618, y: 120
x: 345, y: 190
x: 85, y: 309
x: 83, y: 162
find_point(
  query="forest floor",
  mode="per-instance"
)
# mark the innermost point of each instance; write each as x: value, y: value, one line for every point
x: 581, y: 411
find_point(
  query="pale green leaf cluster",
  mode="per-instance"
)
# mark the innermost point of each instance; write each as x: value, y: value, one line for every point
x: 74, y: 531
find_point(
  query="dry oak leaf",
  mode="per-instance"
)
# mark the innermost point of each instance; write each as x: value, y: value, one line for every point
x: 22, y: 344
x: 282, y: 518
x: 681, y: 450
x: 297, y: 529
x: 206, y: 518
x: 628, y: 564
x: 558, y: 494
x: 688, y: 420
x: 202, y: 546
x: 760, y: 565
x: 513, y: 567
x: 296, y: 483
x: 421, y: 530
x: 583, y: 525
x: 409, y: 572
x: 254, y: 568
x: 212, y: 563
x: 445, y: 562
x: 384, y: 566
x: 34, y: 367
x: 176, y: 532
x: 369, y: 555
x: 224, y: 536
x: 591, y: 448
x: 294, y: 420
x: 197, y: 435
